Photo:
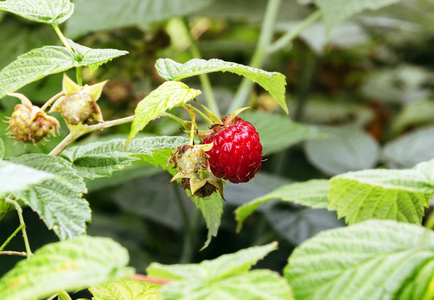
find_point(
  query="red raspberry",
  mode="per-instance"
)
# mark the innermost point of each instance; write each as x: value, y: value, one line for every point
x: 237, y: 152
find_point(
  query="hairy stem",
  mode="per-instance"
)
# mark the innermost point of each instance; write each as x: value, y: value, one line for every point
x: 75, y: 134
x: 13, y: 253
x: 204, y: 79
x: 22, y: 225
x: 260, y: 54
x: 11, y: 237
x: 291, y: 35
x: 62, y: 37
x: 146, y: 278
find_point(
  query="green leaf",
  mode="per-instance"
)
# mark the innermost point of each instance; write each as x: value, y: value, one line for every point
x: 347, y: 149
x: 165, y: 97
x: 272, y: 82
x: 126, y: 289
x: 211, y: 208
x: 410, y: 149
x: 16, y: 177
x: 311, y: 193
x: 47, y: 60
x: 58, y: 201
x: 223, y: 266
x: 255, y: 285
x: 43, y: 11
x: 97, y: 15
x: 67, y: 265
x: 278, y: 132
x: 226, y: 277
x: 336, y: 11
x: 372, y: 260
x: 101, y: 159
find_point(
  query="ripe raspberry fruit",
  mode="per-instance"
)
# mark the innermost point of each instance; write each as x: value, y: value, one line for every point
x: 237, y: 151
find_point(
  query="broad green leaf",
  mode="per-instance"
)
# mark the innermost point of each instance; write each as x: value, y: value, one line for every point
x: 372, y: 260
x: 58, y: 201
x: 358, y: 202
x: 211, y: 208
x: 101, y: 159
x: 347, y: 149
x: 410, y: 149
x: 126, y: 289
x: 44, y: 11
x: 97, y: 15
x: 47, y: 60
x: 278, y: 132
x: 255, y: 285
x: 221, y: 267
x: 311, y: 193
x: 16, y: 177
x: 165, y: 97
x: 272, y: 82
x: 336, y: 11
x: 414, y: 114
x: 67, y: 265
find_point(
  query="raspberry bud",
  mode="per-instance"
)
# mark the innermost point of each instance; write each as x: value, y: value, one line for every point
x: 237, y: 151
x: 192, y: 165
x: 78, y: 106
x: 30, y: 124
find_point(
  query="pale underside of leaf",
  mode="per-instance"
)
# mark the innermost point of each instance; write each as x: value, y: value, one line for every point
x: 272, y: 82
x: 47, y: 60
x: 44, y: 11
x: 68, y: 265
x: 371, y: 260
x: 166, y: 96
x: 311, y: 193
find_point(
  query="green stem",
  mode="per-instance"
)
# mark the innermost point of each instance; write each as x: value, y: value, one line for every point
x: 306, y: 83
x: 11, y: 237
x: 201, y: 114
x: 75, y: 134
x: 204, y: 79
x: 49, y: 102
x: 260, y: 54
x: 430, y: 221
x: 79, y: 75
x: 62, y: 37
x: 22, y: 224
x: 179, y: 120
x: 13, y: 253
x: 291, y: 35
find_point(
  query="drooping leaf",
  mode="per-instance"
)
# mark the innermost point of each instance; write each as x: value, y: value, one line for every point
x: 255, y: 285
x: 44, y: 11
x: 272, y: 82
x: 278, y: 132
x: 67, y: 265
x: 311, y: 193
x: 223, y: 266
x: 100, y: 15
x: 211, y: 208
x: 58, y: 201
x: 410, y: 149
x: 16, y: 177
x: 101, y: 159
x: 126, y: 289
x: 347, y: 149
x: 165, y: 97
x: 336, y: 11
x: 47, y: 60
x: 226, y: 277
x: 372, y: 260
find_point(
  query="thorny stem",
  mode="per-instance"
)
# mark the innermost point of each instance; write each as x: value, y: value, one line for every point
x: 146, y: 278
x: 259, y: 56
x: 204, y: 79
x: 11, y: 237
x: 22, y: 224
x: 13, y: 253
x: 75, y: 134
x: 49, y: 102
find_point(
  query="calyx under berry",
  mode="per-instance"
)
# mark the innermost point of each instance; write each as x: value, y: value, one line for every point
x: 29, y: 123
x: 78, y: 106
x: 191, y: 163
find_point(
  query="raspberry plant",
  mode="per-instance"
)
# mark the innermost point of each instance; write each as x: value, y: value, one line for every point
x: 383, y: 253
